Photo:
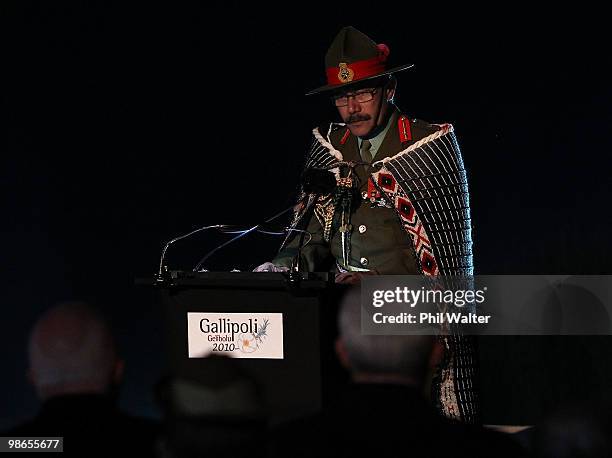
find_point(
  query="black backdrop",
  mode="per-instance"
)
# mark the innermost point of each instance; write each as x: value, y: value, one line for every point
x: 124, y: 125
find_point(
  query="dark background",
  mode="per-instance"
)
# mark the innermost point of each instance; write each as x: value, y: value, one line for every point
x: 124, y: 125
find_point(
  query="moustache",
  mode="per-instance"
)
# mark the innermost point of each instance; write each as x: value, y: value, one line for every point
x: 357, y: 118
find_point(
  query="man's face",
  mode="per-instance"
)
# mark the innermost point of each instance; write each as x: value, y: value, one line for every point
x: 362, y: 117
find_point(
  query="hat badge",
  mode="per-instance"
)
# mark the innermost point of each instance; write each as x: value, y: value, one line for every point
x: 345, y: 74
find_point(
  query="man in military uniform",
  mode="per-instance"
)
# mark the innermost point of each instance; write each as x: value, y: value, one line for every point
x: 374, y: 130
x: 390, y: 196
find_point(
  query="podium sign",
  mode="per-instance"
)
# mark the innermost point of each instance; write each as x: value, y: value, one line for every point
x: 238, y: 335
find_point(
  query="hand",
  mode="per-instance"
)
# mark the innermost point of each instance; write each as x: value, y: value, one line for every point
x: 352, y: 278
x: 269, y: 267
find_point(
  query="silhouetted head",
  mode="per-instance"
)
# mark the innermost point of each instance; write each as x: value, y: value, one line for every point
x: 72, y: 351
x: 403, y: 359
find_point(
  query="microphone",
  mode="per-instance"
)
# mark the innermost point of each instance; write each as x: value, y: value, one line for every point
x: 318, y: 182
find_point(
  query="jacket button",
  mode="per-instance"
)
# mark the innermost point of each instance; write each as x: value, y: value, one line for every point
x: 364, y: 261
x: 362, y: 228
x: 364, y: 195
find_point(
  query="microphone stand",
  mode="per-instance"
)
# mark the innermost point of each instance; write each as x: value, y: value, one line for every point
x: 296, y: 262
x: 248, y: 231
x: 163, y: 274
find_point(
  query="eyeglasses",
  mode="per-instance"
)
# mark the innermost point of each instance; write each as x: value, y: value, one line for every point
x: 362, y: 96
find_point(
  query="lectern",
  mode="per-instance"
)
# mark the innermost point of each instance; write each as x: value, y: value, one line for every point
x: 278, y: 327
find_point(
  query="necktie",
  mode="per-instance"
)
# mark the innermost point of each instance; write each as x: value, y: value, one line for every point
x: 366, y: 156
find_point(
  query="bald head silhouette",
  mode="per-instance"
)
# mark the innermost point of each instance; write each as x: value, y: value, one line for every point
x: 72, y: 351
x: 404, y: 359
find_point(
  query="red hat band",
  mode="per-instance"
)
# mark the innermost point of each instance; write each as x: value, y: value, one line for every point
x: 346, y: 73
